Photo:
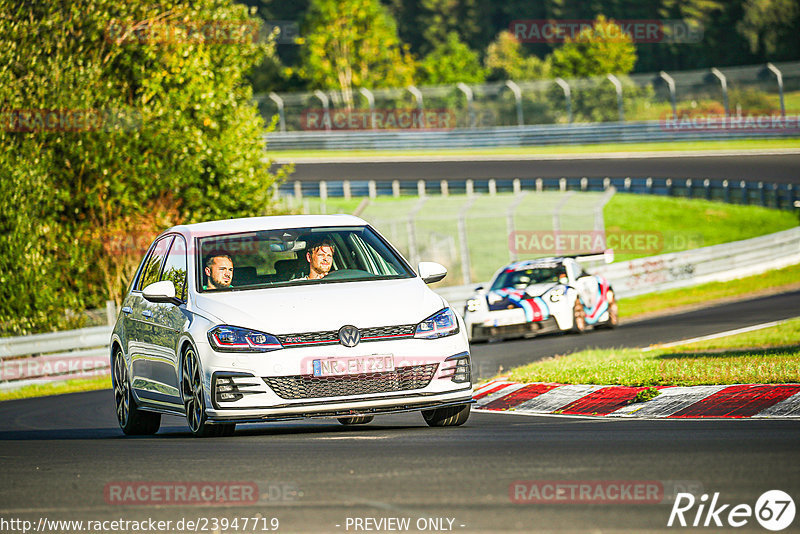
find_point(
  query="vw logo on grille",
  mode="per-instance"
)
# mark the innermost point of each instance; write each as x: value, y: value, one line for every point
x: 349, y: 335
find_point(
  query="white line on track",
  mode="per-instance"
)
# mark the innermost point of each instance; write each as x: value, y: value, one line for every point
x: 713, y: 336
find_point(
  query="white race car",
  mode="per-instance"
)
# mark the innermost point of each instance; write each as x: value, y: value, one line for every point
x: 538, y: 296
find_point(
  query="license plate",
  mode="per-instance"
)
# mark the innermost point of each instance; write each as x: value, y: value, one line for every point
x: 353, y: 366
x: 505, y: 317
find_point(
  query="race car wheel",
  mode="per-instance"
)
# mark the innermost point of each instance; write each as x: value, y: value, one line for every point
x: 450, y: 416
x: 132, y: 420
x: 613, y: 310
x: 578, y: 317
x: 362, y: 420
x: 194, y: 401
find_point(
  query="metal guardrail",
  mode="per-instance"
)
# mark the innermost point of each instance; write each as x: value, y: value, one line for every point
x: 514, y: 136
x: 84, y: 352
x: 781, y: 196
x: 64, y: 355
x: 716, y: 263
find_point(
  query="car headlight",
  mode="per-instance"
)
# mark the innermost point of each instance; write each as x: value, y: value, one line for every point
x: 234, y: 339
x: 440, y: 324
x: 472, y: 305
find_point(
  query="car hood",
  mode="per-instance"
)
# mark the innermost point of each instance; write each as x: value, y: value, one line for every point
x: 316, y: 307
x: 533, y: 290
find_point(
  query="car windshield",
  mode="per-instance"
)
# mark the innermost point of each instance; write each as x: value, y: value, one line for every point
x: 296, y: 256
x: 521, y: 278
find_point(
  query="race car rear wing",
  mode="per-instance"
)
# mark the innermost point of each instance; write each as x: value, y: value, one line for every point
x: 607, y: 256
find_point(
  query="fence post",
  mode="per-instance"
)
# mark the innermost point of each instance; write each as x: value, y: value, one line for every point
x: 745, y: 196
x: 562, y: 184
x: 567, y: 95
x: 671, y: 84
x: 281, y: 114
x: 774, y: 70
x: 470, y: 188
x: 396, y: 188
x: 492, y: 187
x: 707, y: 187
x: 668, y: 184
x: 584, y: 183
x: 326, y: 117
x: 606, y: 183
x: 466, y: 275
x: 726, y: 191
x: 346, y: 189
x: 724, y: 83
x: 516, y: 186
x: 618, y: 86
x: 445, y: 187
x: 518, y: 97
x: 111, y: 312
x: 648, y: 185
x: 762, y: 194
x: 298, y: 190
x: 421, y: 188
x: 689, y: 192
x: 323, y: 196
x: 468, y: 93
x: 371, y: 101
x: 627, y: 184
x: 373, y: 189
x: 539, y: 185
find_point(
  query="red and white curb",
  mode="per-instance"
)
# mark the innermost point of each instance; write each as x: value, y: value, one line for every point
x: 676, y: 402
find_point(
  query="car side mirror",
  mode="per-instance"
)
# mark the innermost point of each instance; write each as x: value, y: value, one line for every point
x: 431, y: 272
x: 479, y: 288
x: 163, y: 291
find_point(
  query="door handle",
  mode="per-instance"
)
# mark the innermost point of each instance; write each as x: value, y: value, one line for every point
x: 126, y: 310
x: 147, y: 313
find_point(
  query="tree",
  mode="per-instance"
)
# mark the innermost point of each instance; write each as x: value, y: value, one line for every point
x: 451, y: 62
x: 353, y: 43
x: 771, y: 27
x: 601, y: 49
x: 505, y: 60
x: 118, y: 121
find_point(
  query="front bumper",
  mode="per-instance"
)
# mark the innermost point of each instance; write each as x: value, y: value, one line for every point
x: 480, y: 332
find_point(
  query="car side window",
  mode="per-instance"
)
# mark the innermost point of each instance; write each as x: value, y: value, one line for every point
x: 152, y: 266
x: 175, y: 267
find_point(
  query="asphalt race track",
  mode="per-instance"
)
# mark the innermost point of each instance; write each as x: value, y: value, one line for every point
x: 781, y: 168
x: 489, y: 358
x: 63, y: 457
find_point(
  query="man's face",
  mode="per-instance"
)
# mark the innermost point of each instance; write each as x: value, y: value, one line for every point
x: 320, y: 259
x: 220, y: 273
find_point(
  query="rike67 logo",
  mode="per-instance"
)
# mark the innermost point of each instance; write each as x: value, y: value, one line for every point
x: 774, y: 510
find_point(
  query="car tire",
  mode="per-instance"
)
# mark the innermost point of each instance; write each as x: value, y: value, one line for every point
x: 613, y: 310
x: 449, y: 416
x: 578, y: 317
x: 194, y: 400
x: 360, y: 420
x: 132, y: 420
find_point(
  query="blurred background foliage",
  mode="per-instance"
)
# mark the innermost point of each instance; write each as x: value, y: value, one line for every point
x: 161, y: 130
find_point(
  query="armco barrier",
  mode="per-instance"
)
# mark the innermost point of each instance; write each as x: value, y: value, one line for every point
x: 727, y: 261
x: 512, y: 136
x: 85, y: 352
x: 81, y: 353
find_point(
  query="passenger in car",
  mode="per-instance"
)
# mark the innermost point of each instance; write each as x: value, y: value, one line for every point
x: 320, y: 259
x: 218, y: 270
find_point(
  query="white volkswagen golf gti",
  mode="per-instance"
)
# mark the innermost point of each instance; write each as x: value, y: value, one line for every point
x: 287, y: 317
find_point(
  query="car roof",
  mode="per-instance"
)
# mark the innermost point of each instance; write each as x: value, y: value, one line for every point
x: 534, y: 263
x: 276, y: 222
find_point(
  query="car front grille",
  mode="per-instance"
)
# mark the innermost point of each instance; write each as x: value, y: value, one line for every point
x: 310, y: 387
x: 331, y: 337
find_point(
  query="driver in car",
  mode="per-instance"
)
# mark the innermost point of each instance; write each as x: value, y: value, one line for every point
x: 219, y: 271
x: 320, y: 260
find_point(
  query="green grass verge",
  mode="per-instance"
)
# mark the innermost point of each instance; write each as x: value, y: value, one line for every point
x: 743, y: 144
x: 57, y: 388
x: 707, y: 293
x: 683, y: 223
x: 766, y: 356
